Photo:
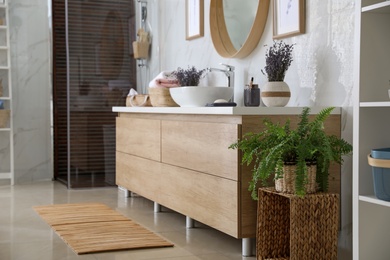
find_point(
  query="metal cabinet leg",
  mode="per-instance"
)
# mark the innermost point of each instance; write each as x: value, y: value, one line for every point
x: 157, y: 207
x: 126, y: 191
x: 190, y: 223
x: 247, y: 247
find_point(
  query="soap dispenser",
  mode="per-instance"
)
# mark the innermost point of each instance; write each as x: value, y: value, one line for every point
x: 252, y: 95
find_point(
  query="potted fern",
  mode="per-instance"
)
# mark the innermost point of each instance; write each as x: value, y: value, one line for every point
x: 298, y: 158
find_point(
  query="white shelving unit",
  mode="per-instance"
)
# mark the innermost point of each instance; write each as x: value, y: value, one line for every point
x: 371, y: 216
x: 6, y: 133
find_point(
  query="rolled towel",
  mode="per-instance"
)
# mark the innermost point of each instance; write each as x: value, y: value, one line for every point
x: 167, y: 83
x: 164, y: 80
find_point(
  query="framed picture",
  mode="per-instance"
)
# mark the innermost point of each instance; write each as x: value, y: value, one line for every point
x: 289, y: 18
x: 194, y: 19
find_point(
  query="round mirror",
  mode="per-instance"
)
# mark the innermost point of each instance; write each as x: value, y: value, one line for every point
x: 236, y: 26
x: 239, y: 26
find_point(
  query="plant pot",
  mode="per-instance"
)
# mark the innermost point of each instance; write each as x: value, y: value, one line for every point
x: 275, y: 94
x: 287, y: 183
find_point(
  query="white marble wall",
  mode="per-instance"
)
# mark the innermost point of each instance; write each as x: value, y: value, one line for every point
x: 30, y: 62
x: 321, y: 73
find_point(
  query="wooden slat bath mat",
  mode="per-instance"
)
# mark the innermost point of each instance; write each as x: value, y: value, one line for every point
x: 94, y: 227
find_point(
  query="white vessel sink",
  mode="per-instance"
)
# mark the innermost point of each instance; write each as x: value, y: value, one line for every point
x: 199, y: 96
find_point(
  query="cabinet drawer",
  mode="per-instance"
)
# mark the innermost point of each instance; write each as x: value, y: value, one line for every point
x: 138, y: 175
x: 140, y: 137
x: 201, y: 147
x: 209, y: 199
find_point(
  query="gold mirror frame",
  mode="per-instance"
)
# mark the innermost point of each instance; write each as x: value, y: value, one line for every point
x: 220, y: 35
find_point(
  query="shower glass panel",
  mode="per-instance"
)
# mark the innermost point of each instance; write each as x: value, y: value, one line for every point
x: 93, y: 70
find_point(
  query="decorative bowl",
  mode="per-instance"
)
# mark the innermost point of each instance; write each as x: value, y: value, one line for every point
x: 199, y: 96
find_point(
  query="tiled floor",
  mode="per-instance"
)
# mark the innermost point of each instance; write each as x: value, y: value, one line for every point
x: 25, y: 236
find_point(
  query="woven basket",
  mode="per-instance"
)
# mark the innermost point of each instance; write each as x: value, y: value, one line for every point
x: 287, y: 183
x: 4, y: 117
x: 297, y: 228
x: 160, y: 97
x: 138, y: 101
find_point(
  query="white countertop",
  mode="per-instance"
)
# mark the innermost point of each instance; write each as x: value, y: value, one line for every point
x: 221, y: 110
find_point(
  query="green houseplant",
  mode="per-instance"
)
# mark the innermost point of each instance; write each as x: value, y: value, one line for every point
x: 278, y: 145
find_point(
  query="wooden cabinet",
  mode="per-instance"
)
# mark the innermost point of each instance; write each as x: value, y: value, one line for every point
x: 371, y: 228
x: 182, y: 161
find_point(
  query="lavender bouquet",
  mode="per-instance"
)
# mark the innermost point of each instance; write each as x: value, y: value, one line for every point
x: 188, y: 77
x: 278, y: 59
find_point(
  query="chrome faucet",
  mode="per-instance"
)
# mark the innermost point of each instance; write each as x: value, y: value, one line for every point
x: 229, y: 73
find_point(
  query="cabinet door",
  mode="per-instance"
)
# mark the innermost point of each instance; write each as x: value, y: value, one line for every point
x: 201, y: 147
x: 203, y: 197
x: 140, y: 137
x: 139, y: 175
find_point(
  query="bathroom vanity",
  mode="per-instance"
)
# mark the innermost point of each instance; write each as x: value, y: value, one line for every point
x: 179, y: 158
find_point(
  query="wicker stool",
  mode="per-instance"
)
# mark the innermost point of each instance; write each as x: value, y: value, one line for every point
x: 297, y: 228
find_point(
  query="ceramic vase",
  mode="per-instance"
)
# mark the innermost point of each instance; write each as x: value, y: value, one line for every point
x: 275, y: 94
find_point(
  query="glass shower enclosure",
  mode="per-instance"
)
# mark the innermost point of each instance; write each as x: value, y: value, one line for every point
x: 93, y: 70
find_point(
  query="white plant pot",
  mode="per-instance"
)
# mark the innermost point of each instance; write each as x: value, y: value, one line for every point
x: 275, y: 94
